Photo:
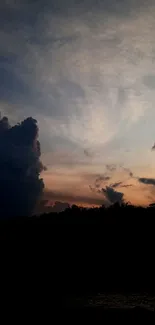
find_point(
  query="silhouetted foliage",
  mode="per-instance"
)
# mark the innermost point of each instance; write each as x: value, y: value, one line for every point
x: 83, y: 251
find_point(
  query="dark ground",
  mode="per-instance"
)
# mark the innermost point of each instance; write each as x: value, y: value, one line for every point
x: 62, y: 262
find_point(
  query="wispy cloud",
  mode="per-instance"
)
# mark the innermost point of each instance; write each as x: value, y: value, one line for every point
x: 126, y: 185
x: 117, y: 184
x: 111, y: 167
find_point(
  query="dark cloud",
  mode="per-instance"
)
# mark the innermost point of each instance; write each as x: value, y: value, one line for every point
x: 110, y: 194
x: 153, y: 147
x: 152, y: 205
x: 88, y: 153
x: 103, y: 178
x: 58, y: 7
x: 111, y: 167
x: 93, y: 189
x: 147, y: 181
x: 20, y: 168
x: 113, y: 196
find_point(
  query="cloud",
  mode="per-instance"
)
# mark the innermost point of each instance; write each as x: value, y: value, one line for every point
x: 120, y: 184
x: 153, y: 147
x: 111, y: 167
x: 20, y: 168
x: 147, y: 181
x: 105, y: 178
x: 99, y: 180
x: 128, y: 171
x: 112, y: 196
x: 88, y: 153
x: 118, y: 8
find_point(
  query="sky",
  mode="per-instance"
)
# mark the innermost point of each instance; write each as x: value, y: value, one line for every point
x: 85, y: 70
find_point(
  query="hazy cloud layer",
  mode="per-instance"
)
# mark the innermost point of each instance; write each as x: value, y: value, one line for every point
x: 71, y: 198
